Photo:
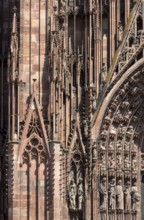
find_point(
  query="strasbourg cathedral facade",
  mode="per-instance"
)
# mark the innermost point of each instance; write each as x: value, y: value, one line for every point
x: 71, y: 109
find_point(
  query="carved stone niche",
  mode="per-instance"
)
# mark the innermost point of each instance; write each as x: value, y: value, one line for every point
x: 119, y: 195
x: 104, y: 132
x: 76, y: 184
x: 130, y: 130
x: 124, y: 104
x: 135, y: 196
x: 102, y: 161
x: 112, y: 194
x: 109, y: 116
x: 127, y: 163
x: 103, y: 193
x: 127, y: 116
x: 114, y: 104
x: 127, y: 144
x: 111, y: 160
x: 122, y: 92
x: 113, y: 131
x: 119, y: 160
x: 111, y: 143
x: 134, y: 147
x: 102, y: 145
x: 121, y: 130
x: 118, y: 117
x: 134, y: 162
x: 119, y: 144
x: 127, y: 195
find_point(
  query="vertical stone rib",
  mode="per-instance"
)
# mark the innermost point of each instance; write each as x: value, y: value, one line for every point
x: 127, y: 10
x: 30, y: 21
x: 112, y: 33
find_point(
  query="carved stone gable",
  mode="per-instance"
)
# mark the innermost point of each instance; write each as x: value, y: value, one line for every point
x: 34, y: 125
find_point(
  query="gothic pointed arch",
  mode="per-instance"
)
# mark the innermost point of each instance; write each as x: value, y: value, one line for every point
x: 76, y: 174
x: 34, y: 161
x: 119, y: 136
x: 33, y: 125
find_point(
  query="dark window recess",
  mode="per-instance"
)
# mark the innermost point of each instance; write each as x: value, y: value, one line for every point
x: 139, y: 24
x: 74, y: 75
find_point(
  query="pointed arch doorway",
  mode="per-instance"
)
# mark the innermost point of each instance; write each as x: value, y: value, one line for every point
x: 119, y: 129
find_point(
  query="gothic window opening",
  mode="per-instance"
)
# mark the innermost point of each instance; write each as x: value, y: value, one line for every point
x: 74, y: 75
x: 34, y: 171
x: 139, y: 25
x: 122, y: 12
x: 131, y: 41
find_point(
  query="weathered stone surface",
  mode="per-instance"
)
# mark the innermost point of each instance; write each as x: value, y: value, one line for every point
x: 71, y: 110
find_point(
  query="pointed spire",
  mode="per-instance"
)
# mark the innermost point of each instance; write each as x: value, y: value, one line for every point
x: 14, y: 25
x: 34, y: 86
x: 14, y: 37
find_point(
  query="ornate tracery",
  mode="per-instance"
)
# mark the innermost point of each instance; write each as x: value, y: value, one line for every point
x: 34, y: 150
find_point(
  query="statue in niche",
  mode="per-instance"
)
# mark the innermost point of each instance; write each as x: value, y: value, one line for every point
x: 103, y: 75
x: 134, y: 163
x: 103, y: 162
x: 111, y: 144
x: 119, y: 145
x: 135, y: 197
x: 94, y: 151
x: 126, y: 145
x: 72, y: 195
x: 119, y: 195
x: 127, y: 196
x: 102, y: 145
x: 112, y: 194
x: 126, y: 162
x: 113, y: 130
x: 63, y: 6
x: 103, y: 194
x: 85, y: 127
x: 111, y: 162
x: 94, y: 100
x: 120, y: 31
x: 119, y: 161
x: 109, y: 114
x: 120, y: 128
x: 133, y: 146
x: 123, y: 129
x: 130, y: 129
x: 104, y: 132
x: 80, y: 192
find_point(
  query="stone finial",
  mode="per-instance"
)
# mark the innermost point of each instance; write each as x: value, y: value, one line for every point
x: 34, y: 85
x: 14, y: 25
